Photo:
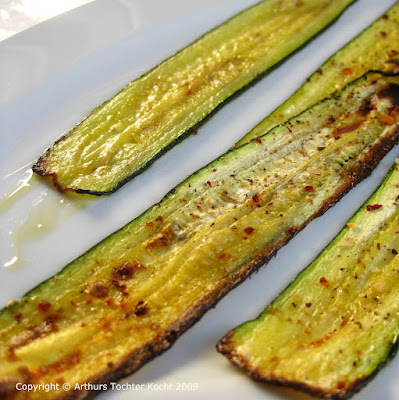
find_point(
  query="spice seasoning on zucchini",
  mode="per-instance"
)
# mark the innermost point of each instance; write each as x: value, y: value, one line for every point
x: 370, y: 50
x: 131, y: 296
x: 344, y: 326
x: 126, y: 134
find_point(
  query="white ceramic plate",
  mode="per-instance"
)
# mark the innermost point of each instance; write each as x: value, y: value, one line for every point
x: 53, y: 74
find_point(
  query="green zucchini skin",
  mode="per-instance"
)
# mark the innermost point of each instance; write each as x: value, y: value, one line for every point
x: 108, y: 149
x: 131, y: 296
x: 369, y: 50
x: 233, y: 345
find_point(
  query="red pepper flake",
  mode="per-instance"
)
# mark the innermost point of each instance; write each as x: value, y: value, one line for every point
x: 308, y: 188
x: 249, y: 230
x: 258, y: 140
x: 141, y: 309
x: 387, y: 119
x: 196, y: 129
x: 43, y: 305
x: 347, y: 71
x: 383, y: 34
x: 223, y: 255
x: 323, y: 280
x: 255, y: 198
x: 372, y: 207
x: 292, y: 229
x: 89, y: 302
x: 340, y: 385
x: 149, y: 224
x: 245, y: 238
x: 393, y: 53
x: 17, y: 315
x: 198, y: 207
x: 320, y: 71
x: 209, y: 183
x: 160, y: 219
x: 110, y: 302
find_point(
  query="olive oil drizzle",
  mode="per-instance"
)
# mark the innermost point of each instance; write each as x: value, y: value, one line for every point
x: 23, y: 186
x: 43, y: 217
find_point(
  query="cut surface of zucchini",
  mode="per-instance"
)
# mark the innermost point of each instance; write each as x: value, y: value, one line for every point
x: 127, y: 133
x: 336, y: 325
x: 128, y: 298
x: 375, y: 48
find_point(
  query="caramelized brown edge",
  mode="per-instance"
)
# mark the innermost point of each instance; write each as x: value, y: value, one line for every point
x: 40, y: 167
x: 165, y: 340
x: 226, y: 345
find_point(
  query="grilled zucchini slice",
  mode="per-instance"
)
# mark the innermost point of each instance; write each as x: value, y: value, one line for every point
x: 128, y: 298
x: 375, y: 48
x: 126, y: 134
x: 337, y: 323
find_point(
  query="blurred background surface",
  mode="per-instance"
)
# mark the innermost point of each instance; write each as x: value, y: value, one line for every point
x: 18, y: 15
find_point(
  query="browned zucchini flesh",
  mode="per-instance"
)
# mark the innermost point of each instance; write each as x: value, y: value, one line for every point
x: 126, y: 134
x: 337, y: 323
x: 375, y: 48
x: 128, y: 298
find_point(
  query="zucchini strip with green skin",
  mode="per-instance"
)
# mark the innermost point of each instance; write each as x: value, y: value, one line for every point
x: 129, y: 298
x: 126, y: 134
x: 374, y: 49
x: 336, y: 325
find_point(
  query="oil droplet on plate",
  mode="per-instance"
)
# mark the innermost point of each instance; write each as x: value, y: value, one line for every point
x: 44, y: 216
x: 23, y: 186
x: 11, y: 262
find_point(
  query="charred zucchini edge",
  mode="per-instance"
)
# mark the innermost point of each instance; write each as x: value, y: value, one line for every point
x: 278, y: 114
x: 41, y: 167
x: 140, y: 356
x: 226, y: 346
